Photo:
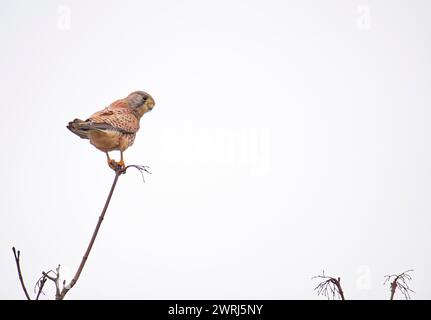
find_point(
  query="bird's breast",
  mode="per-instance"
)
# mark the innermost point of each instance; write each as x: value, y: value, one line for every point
x: 106, y: 140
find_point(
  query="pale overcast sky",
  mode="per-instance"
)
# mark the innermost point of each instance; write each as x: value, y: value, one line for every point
x: 288, y: 137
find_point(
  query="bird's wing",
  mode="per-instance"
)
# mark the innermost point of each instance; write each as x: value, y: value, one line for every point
x: 117, y: 116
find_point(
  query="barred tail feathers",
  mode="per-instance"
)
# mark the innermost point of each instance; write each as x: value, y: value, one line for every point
x: 79, y: 127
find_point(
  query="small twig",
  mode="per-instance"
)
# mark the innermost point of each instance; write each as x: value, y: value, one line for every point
x: 330, y: 286
x: 55, y: 279
x: 39, y: 284
x: 46, y: 274
x: 18, y: 266
x: 141, y: 169
x: 400, y: 282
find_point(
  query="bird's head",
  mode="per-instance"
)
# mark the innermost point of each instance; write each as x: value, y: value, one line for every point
x: 141, y: 102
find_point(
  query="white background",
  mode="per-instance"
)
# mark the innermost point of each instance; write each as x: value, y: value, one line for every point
x: 288, y: 137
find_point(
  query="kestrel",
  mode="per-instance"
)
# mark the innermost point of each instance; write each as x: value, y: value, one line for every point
x: 115, y: 127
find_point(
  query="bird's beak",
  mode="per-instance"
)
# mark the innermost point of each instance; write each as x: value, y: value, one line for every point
x: 151, y: 105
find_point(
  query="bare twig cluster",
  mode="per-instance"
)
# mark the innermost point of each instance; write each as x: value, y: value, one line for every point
x: 62, y: 288
x: 329, y: 287
x: 399, y: 282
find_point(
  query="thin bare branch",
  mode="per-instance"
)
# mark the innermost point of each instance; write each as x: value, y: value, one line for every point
x: 18, y: 266
x: 39, y: 286
x: 55, y: 275
x: 119, y: 171
x: 66, y: 288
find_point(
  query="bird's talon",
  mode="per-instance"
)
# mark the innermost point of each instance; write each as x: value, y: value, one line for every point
x: 112, y: 164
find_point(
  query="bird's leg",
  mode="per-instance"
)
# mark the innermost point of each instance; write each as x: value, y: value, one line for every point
x: 121, y: 163
x: 111, y: 162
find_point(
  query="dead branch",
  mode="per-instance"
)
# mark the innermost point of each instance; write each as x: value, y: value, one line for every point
x: 39, y: 285
x: 54, y: 276
x: 399, y: 282
x: 119, y: 171
x: 329, y: 287
x: 66, y: 289
x: 18, y: 266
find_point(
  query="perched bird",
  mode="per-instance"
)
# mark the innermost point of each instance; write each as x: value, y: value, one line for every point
x: 115, y: 127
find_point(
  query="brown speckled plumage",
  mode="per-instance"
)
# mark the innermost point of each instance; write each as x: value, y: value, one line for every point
x: 115, y: 127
